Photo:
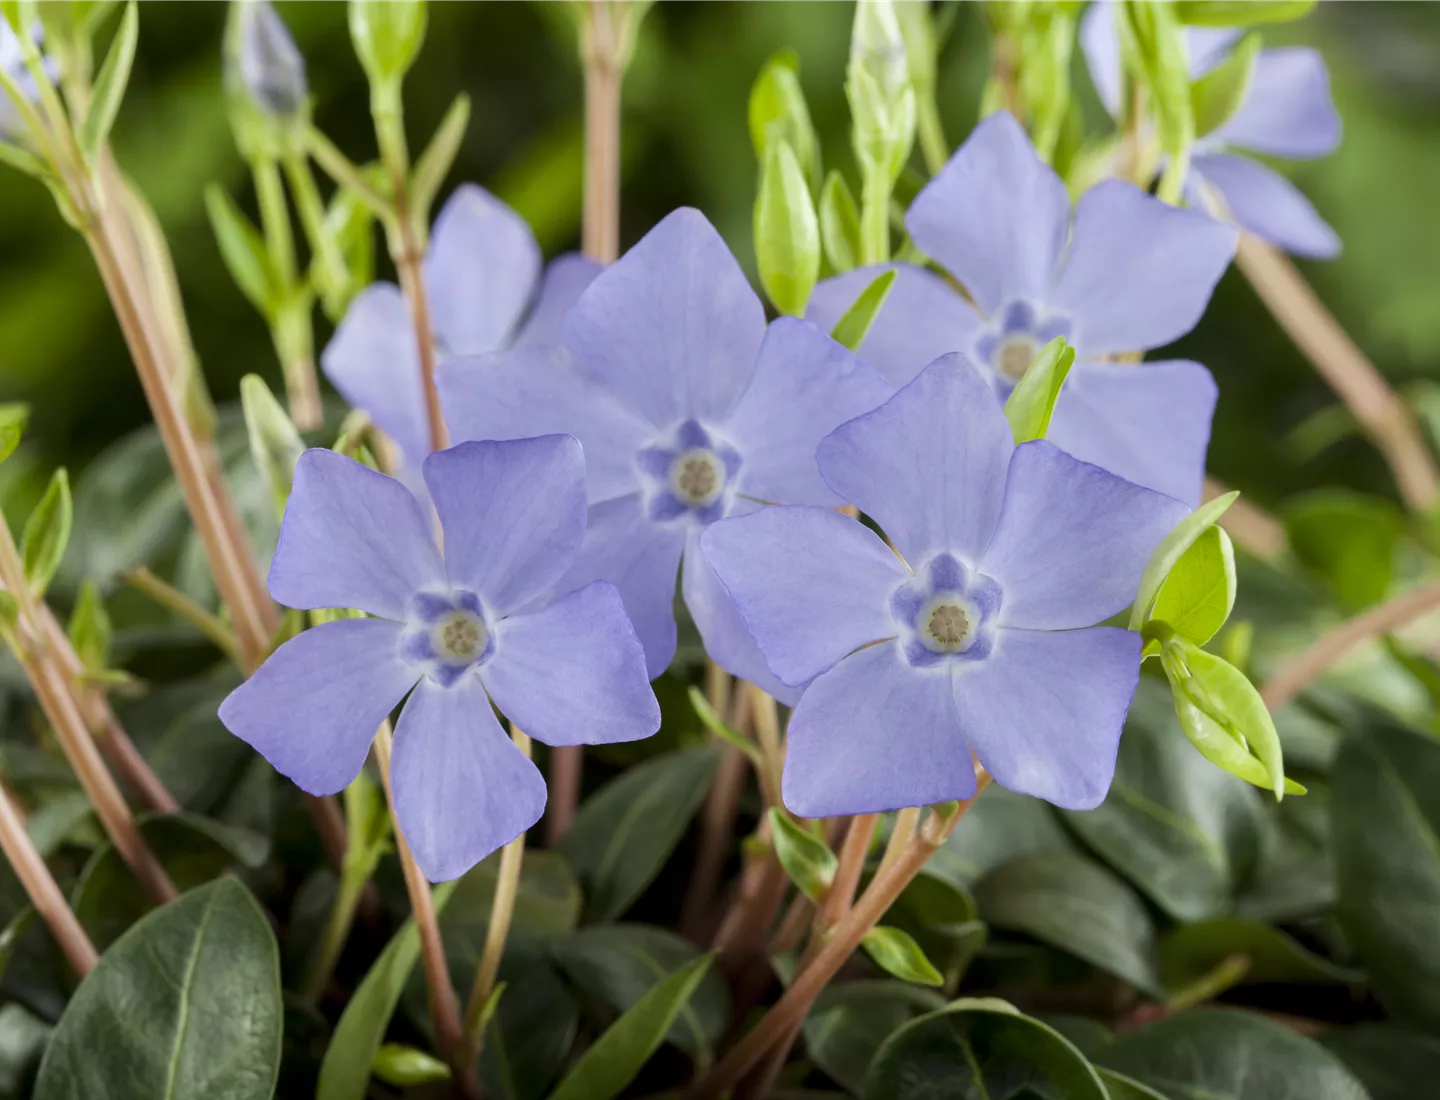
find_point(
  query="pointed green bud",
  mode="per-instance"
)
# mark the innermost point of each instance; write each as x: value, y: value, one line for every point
x: 840, y: 223
x: 387, y: 36
x: 89, y: 629
x: 877, y: 84
x: 787, y: 232
x: 266, y: 61
x: 778, y: 113
x: 403, y: 1066
x: 47, y: 532
x: 275, y: 444
x: 806, y: 858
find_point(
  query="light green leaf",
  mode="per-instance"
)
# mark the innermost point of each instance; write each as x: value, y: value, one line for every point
x: 618, y: 1055
x: 275, y: 443
x: 1240, y: 13
x: 778, y: 114
x: 712, y: 722
x: 345, y: 1073
x: 840, y: 224
x: 435, y: 163
x: 110, y: 86
x: 1171, y: 549
x: 89, y: 630
x: 14, y: 417
x: 1196, y: 598
x: 787, y: 232
x: 47, y: 532
x: 1348, y: 540
x: 850, y: 330
x: 186, y: 1005
x: 1153, y: 48
x: 806, y: 858
x: 243, y: 250
x: 1032, y: 402
x: 896, y: 952
x: 1217, y: 95
x: 402, y: 1066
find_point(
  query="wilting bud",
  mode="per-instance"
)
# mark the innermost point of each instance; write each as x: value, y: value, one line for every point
x: 270, y: 68
x: 882, y: 100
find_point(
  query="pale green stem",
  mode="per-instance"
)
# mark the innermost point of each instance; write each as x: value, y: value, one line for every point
x: 175, y: 601
x: 875, y: 218
x: 933, y: 146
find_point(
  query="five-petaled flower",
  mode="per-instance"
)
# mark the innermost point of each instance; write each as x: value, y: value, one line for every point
x: 461, y: 630
x: 1287, y: 112
x: 689, y: 410
x: 1129, y: 275
x: 975, y: 634
x: 483, y: 281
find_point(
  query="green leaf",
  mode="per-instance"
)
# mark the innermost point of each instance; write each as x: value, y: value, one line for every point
x: 1217, y: 95
x: 712, y: 722
x: 977, y: 1048
x: 621, y: 963
x: 399, y: 1065
x: 626, y: 831
x: 1240, y: 13
x: 850, y: 330
x: 1348, y: 540
x: 1295, y: 878
x: 1224, y: 717
x: 1078, y: 906
x: 439, y: 156
x: 186, y: 1005
x: 345, y: 1073
x: 939, y: 914
x: 1387, y: 1059
x: 1198, y: 595
x: 851, y: 1019
x: 1191, y: 951
x: 14, y: 417
x: 387, y: 35
x: 1226, y: 1055
x: 1032, y: 402
x: 806, y: 858
x: 896, y: 952
x: 243, y: 250
x: 840, y: 224
x: 110, y: 85
x: 19, y: 924
x: 778, y: 115
x: 1120, y: 1087
x: 275, y: 443
x: 89, y: 630
x: 787, y: 232
x: 1168, y: 554
x: 999, y: 827
x: 47, y: 532
x: 1385, y: 832
x: 1186, y: 834
x: 618, y: 1055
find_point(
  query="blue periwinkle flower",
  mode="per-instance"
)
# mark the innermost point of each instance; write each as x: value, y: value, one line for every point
x: 1287, y: 112
x: 689, y: 409
x: 975, y: 634
x: 269, y: 65
x: 1129, y: 274
x: 486, y: 291
x: 462, y: 630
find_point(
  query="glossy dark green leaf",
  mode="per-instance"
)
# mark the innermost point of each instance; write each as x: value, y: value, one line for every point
x: 1222, y: 1055
x: 620, y: 963
x: 1074, y: 904
x: 999, y: 827
x: 851, y: 1019
x: 618, y: 1055
x: 1347, y: 540
x: 1184, y: 832
x: 186, y: 1006
x: 1389, y: 1061
x: 1385, y: 829
x: 626, y: 831
x: 977, y: 1049
x: 1295, y: 877
x: 1193, y: 950
x: 1120, y: 1087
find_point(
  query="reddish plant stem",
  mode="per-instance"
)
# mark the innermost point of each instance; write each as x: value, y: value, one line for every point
x: 717, y: 818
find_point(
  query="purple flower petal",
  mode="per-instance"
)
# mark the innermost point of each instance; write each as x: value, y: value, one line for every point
x: 573, y: 673
x: 874, y: 734
x: 1072, y: 540
x: 1148, y: 423
x: 921, y: 319
x: 565, y: 280
x: 312, y: 708
x: 513, y: 515
x: 1268, y: 205
x: 641, y: 559
x: 1044, y: 711
x: 352, y: 537
x: 805, y: 386
x: 727, y: 639
x: 996, y: 216
x: 1139, y: 273
x: 811, y: 584
x: 928, y: 465
x: 672, y: 324
x: 372, y: 360
x: 540, y: 390
x: 462, y: 788
x: 481, y: 270
x: 1288, y: 111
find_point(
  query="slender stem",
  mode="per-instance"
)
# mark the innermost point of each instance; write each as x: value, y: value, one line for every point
x: 1377, y: 408
x: 844, y: 938
x: 291, y: 325
x: 599, y: 53
x: 1226, y: 974
x: 772, y: 749
x: 172, y: 599
x: 905, y: 822
x: 326, y: 249
x: 408, y: 255
x: 717, y: 819
x: 933, y: 146
x: 1248, y: 524
x: 42, y: 890
x: 444, y: 1005
x: 875, y: 218
x: 1293, y: 676
x: 502, y: 912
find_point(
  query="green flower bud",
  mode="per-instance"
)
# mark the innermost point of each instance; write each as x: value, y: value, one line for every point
x: 387, y: 36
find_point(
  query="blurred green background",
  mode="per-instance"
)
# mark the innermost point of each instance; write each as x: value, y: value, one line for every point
x: 685, y: 141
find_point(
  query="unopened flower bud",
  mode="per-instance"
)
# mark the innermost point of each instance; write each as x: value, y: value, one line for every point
x: 270, y: 67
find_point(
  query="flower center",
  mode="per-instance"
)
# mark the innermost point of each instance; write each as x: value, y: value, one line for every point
x: 446, y: 635
x: 949, y: 626
x: 1014, y: 357
x: 459, y: 637
x: 697, y: 477
x: 946, y: 613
